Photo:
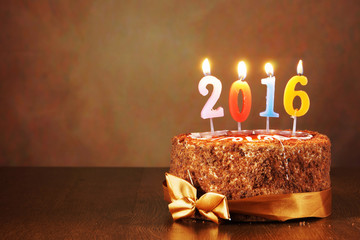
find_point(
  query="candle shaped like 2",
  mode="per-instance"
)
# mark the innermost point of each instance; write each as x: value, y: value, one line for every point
x: 236, y: 87
x: 290, y: 94
x: 208, y: 111
x: 270, y: 83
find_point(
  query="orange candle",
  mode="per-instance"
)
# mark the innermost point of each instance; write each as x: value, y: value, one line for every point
x: 236, y: 87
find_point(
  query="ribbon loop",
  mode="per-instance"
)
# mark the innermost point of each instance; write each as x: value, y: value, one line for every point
x: 183, y: 201
x: 179, y: 189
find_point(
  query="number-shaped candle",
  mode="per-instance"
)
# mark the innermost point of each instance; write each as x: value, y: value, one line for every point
x: 208, y: 111
x: 270, y: 84
x: 290, y: 94
x: 236, y: 87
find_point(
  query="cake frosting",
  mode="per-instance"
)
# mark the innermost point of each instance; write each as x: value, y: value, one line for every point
x: 251, y: 135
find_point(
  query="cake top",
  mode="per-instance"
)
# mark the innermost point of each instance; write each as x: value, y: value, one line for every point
x: 252, y: 135
x: 259, y: 136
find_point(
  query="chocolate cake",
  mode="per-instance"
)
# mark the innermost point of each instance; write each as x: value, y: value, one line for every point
x: 242, y: 164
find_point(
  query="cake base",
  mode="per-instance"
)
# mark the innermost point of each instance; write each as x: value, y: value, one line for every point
x: 245, y: 165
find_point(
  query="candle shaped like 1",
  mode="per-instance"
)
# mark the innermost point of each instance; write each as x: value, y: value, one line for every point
x: 290, y: 94
x: 270, y: 83
x: 236, y: 87
x: 208, y: 111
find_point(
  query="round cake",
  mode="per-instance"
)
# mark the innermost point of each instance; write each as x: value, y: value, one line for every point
x: 242, y: 164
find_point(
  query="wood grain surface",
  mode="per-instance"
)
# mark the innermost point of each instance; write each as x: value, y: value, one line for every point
x: 127, y: 203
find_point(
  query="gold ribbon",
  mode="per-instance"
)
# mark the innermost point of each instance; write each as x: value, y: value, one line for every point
x: 280, y: 207
x: 182, y: 197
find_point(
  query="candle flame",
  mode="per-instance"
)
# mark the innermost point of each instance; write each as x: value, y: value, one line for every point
x: 300, y: 70
x: 269, y: 69
x: 242, y: 70
x: 206, y: 67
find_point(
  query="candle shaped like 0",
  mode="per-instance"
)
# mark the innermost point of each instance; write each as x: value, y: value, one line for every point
x: 236, y: 87
x: 208, y: 111
x: 290, y: 94
x: 270, y: 83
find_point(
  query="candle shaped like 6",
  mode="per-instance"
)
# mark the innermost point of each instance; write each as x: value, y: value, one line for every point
x: 208, y: 111
x: 236, y: 87
x: 270, y: 83
x: 290, y: 94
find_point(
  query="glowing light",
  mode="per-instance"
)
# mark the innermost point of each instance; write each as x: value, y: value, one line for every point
x: 269, y: 69
x: 206, y: 67
x: 300, y: 70
x: 242, y: 70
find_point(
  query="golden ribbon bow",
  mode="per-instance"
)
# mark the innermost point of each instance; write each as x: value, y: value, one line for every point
x: 183, y: 201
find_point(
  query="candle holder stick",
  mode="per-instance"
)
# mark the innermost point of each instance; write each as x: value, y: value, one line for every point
x: 267, y: 124
x: 294, y: 122
x: 211, y: 125
x: 294, y: 125
x: 239, y: 126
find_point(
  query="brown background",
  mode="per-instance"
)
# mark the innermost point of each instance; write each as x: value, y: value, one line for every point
x: 108, y: 83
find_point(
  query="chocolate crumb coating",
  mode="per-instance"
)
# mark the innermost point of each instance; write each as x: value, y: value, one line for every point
x: 242, y: 169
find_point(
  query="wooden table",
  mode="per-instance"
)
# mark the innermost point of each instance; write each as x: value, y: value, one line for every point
x: 127, y: 203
